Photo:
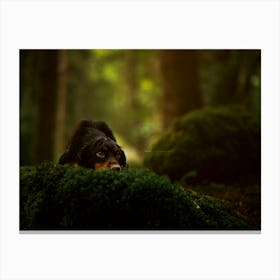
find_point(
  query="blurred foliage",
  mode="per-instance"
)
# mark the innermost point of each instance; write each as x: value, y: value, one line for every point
x: 55, y: 197
x: 107, y: 96
x: 126, y: 89
x: 214, y: 144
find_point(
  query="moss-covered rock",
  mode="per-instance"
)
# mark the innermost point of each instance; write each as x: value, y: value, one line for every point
x: 56, y: 197
x: 214, y: 144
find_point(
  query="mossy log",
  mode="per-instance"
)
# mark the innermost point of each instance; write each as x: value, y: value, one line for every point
x: 56, y: 197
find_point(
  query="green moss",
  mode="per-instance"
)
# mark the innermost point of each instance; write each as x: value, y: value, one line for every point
x: 55, y: 197
x: 217, y: 144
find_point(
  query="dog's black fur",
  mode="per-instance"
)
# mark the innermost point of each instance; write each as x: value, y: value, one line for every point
x: 93, y: 145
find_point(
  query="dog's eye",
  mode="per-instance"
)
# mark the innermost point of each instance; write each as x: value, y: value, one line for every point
x: 100, y: 155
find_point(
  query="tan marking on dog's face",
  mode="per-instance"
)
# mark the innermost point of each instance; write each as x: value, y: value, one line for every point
x: 75, y: 164
x: 107, y: 165
x: 104, y: 165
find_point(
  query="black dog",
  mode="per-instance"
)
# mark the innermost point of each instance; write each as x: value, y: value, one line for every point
x: 93, y: 145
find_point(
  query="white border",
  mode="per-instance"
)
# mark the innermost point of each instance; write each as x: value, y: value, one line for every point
x: 139, y: 24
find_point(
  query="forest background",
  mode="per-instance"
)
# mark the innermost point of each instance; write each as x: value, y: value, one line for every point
x: 139, y: 93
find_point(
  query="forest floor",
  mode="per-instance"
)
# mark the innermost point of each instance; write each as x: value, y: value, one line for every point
x: 244, y: 199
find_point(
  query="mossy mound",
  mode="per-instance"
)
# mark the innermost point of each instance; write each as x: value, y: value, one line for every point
x: 214, y: 144
x: 56, y: 197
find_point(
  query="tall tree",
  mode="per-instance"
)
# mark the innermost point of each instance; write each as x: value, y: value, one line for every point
x: 180, y: 83
x: 46, y: 116
x: 62, y: 89
x: 228, y: 76
x: 132, y: 83
x: 29, y: 88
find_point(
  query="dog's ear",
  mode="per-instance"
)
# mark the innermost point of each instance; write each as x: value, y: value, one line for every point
x: 63, y: 159
x: 122, y: 159
x: 75, y: 142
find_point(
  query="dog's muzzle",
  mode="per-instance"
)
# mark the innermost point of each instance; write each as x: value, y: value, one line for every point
x: 116, y: 167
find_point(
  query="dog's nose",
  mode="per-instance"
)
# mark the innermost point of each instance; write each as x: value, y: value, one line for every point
x: 115, y: 167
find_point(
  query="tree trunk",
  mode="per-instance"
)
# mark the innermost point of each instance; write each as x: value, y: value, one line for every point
x: 180, y: 83
x: 47, y: 106
x: 61, y: 102
x: 133, y: 98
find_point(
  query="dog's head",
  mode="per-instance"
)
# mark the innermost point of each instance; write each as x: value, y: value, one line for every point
x: 101, y: 153
x: 93, y: 145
